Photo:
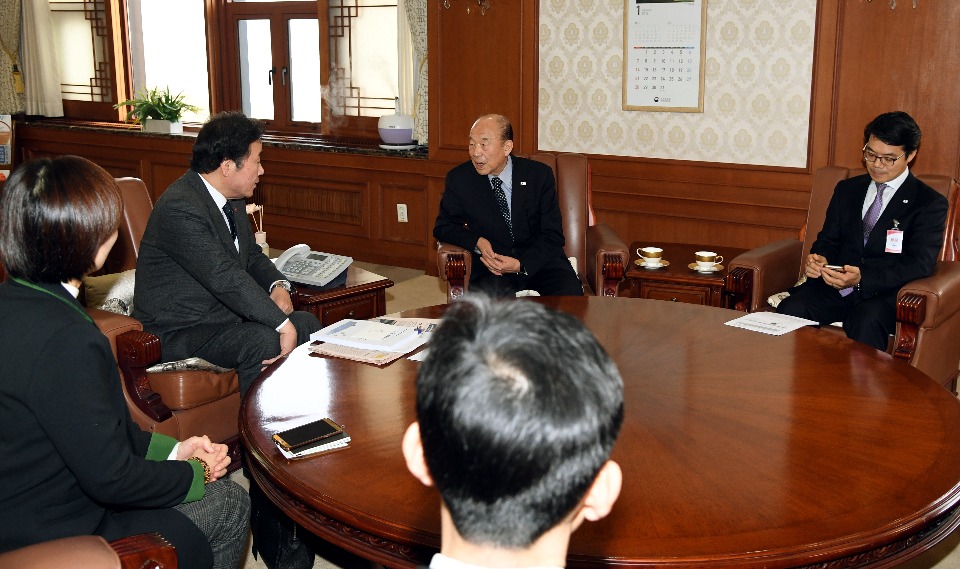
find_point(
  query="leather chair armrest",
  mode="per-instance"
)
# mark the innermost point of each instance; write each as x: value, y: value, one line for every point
x: 929, y: 310
x: 93, y: 552
x: 453, y: 265
x: 112, y: 325
x: 136, y: 351
x: 607, y: 256
x: 941, y: 291
x: 756, y: 274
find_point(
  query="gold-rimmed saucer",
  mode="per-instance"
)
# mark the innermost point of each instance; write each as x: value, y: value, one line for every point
x: 696, y: 267
x: 640, y: 263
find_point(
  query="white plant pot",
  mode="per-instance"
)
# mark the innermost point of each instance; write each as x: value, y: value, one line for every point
x: 167, y: 127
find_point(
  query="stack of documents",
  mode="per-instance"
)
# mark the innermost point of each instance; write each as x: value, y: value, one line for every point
x: 378, y: 341
x: 770, y: 323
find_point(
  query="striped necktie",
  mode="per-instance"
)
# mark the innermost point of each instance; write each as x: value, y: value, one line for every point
x: 501, y: 196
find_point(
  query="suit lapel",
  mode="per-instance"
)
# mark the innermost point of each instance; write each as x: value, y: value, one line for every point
x: 217, y: 216
x: 899, y: 205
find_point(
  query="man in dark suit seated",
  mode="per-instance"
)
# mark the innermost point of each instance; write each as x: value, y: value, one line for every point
x: 518, y: 407
x: 505, y: 209
x: 203, y: 285
x: 207, y: 290
x: 882, y: 230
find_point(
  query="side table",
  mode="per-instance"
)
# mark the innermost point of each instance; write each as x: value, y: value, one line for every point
x: 362, y: 297
x: 677, y: 282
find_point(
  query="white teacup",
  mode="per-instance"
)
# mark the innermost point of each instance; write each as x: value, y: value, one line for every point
x: 651, y: 255
x: 707, y: 260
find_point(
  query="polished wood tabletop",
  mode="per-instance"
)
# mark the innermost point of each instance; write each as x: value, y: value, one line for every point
x: 738, y: 449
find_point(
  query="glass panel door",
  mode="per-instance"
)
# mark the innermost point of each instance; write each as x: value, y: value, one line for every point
x: 257, y: 72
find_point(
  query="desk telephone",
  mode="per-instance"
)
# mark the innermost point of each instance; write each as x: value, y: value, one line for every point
x: 301, y: 265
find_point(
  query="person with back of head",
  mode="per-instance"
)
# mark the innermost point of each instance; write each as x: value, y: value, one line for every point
x: 518, y: 408
x: 881, y: 231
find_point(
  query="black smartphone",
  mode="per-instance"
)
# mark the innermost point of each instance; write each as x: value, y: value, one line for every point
x: 297, y: 437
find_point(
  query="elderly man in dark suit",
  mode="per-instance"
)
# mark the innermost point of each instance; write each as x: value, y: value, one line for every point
x: 505, y: 209
x: 203, y: 284
x: 882, y: 230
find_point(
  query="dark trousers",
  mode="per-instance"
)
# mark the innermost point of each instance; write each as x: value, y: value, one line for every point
x: 548, y: 281
x: 208, y: 533
x: 869, y: 321
x: 246, y: 345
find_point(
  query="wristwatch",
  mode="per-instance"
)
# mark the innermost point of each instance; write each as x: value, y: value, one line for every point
x: 285, y: 284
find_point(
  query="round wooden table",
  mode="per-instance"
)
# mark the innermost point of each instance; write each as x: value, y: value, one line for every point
x: 738, y: 449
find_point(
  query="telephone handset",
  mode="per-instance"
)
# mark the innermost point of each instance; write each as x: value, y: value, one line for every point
x: 301, y: 265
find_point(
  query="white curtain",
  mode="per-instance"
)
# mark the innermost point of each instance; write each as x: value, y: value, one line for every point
x: 41, y: 74
x: 412, y: 34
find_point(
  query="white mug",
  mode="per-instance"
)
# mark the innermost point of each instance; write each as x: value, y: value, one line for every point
x: 650, y: 255
x: 707, y: 259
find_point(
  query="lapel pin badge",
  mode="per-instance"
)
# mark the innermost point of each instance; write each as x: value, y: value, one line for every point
x: 523, y: 183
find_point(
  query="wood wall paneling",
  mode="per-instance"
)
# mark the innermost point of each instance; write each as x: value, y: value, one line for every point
x: 411, y: 231
x: 479, y: 67
x: 868, y: 59
x: 904, y: 59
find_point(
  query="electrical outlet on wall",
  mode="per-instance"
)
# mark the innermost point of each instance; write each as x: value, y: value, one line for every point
x: 402, y: 213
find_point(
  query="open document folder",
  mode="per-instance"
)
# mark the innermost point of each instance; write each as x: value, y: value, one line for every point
x: 770, y: 323
x: 417, y: 332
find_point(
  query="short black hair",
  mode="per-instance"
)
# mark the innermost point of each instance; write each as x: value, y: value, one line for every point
x: 225, y: 136
x: 896, y: 128
x: 519, y: 407
x: 55, y: 213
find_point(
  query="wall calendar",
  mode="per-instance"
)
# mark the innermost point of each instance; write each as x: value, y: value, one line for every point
x: 663, y: 55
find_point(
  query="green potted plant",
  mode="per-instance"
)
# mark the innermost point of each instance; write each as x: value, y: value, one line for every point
x: 157, y: 111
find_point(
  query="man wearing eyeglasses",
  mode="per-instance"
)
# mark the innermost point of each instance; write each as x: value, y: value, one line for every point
x: 882, y: 230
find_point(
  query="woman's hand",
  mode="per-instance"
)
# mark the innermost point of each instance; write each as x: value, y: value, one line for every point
x: 214, y: 454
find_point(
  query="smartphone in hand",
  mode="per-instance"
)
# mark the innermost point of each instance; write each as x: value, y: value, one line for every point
x: 838, y: 268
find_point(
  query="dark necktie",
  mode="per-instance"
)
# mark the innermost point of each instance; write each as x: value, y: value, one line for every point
x: 231, y: 222
x: 873, y: 213
x: 501, y: 196
x: 869, y: 220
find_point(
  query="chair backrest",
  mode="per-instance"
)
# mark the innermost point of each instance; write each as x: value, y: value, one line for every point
x: 825, y: 181
x: 947, y: 186
x: 572, y: 172
x: 137, y: 207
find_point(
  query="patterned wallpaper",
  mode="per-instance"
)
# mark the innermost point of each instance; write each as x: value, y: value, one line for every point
x: 10, y: 102
x: 757, y: 84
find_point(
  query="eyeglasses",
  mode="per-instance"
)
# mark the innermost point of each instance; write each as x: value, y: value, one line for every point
x: 871, y: 156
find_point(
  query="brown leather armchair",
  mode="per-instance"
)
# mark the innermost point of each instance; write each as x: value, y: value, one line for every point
x: 601, y: 255
x: 180, y: 404
x: 928, y: 310
x: 93, y: 552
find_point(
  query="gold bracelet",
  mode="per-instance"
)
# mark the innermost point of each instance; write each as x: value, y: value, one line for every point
x: 206, y: 468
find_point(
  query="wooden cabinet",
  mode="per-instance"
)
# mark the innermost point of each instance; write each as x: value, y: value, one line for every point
x: 362, y: 297
x: 677, y: 282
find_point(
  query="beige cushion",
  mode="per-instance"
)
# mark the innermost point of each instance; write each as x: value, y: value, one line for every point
x: 113, y: 292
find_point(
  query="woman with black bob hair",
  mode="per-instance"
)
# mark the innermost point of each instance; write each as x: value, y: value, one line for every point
x: 72, y: 461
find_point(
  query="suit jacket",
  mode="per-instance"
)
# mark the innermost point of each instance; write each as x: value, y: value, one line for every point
x: 919, y: 210
x: 469, y: 211
x: 191, y: 278
x: 69, y: 451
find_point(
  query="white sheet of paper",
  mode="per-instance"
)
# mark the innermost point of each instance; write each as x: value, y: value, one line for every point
x: 770, y: 323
